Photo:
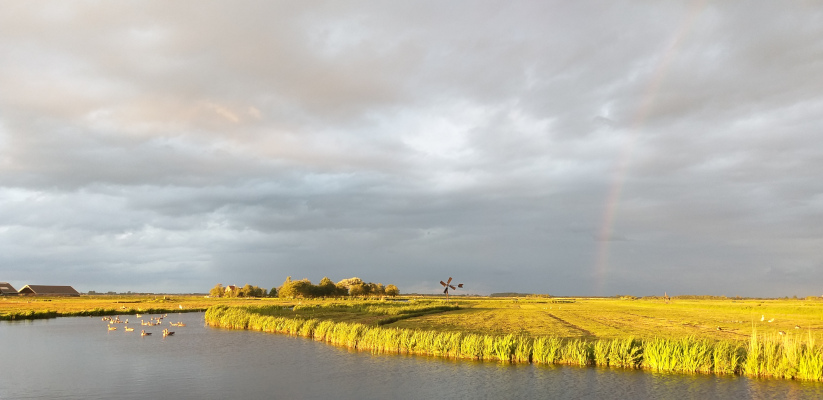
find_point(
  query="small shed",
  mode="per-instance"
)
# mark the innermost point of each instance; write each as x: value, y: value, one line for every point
x: 7, y: 290
x: 48, y: 290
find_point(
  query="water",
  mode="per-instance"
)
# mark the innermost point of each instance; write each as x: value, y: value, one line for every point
x: 78, y: 358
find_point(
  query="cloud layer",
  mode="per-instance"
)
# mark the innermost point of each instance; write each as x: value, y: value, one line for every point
x: 581, y: 148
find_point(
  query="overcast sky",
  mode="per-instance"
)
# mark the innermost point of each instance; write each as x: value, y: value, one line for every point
x: 569, y: 148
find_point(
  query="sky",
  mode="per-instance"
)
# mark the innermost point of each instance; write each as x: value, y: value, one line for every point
x: 586, y: 148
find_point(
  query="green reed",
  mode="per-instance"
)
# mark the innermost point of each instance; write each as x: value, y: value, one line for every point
x: 786, y: 356
x: 546, y: 350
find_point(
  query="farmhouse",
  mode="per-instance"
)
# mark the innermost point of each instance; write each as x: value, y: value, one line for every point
x: 48, y: 290
x: 7, y: 289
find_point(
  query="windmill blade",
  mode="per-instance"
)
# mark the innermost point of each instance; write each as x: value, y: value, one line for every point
x: 453, y: 288
x: 443, y: 283
x: 449, y: 281
x: 447, y: 290
x: 460, y: 285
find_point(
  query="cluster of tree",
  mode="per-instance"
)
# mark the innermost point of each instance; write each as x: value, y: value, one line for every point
x: 246, y: 291
x: 326, y: 288
x: 510, y: 294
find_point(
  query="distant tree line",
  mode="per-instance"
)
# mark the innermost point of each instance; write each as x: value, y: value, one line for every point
x: 354, y: 287
x: 303, y: 288
x: 510, y: 294
x: 233, y: 291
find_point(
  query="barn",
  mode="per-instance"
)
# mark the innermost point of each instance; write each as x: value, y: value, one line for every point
x: 48, y: 290
x: 7, y: 290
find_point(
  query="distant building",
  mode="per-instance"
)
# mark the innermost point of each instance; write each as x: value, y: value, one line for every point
x: 7, y: 290
x: 48, y: 290
x: 231, y: 288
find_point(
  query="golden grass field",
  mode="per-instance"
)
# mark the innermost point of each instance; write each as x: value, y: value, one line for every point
x: 759, y: 338
x: 595, y: 318
x: 614, y: 318
x: 69, y: 306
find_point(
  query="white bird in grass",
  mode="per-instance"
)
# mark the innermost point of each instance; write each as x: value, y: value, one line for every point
x: 771, y: 320
x: 762, y: 318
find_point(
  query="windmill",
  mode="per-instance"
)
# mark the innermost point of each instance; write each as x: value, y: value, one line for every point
x: 448, y: 285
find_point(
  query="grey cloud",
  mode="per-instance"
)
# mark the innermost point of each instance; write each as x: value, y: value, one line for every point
x: 167, y: 146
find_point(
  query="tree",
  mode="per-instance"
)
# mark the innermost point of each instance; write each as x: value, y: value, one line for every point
x: 358, y: 289
x: 295, y: 289
x: 303, y: 288
x: 326, y: 288
x: 231, y: 291
x: 246, y: 291
x: 217, y: 291
x: 286, y: 290
x: 392, y: 290
x: 273, y: 292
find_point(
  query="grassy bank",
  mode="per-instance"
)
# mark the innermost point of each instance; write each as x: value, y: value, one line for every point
x: 22, y: 308
x: 790, y: 356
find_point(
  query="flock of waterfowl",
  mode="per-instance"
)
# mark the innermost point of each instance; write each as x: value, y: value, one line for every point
x: 153, y: 321
x: 763, y: 318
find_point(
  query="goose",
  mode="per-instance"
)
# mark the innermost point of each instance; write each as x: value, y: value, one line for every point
x: 167, y: 333
x: 112, y: 328
x: 129, y: 329
x: 144, y: 333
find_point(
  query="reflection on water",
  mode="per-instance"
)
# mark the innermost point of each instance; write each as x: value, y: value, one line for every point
x: 75, y: 358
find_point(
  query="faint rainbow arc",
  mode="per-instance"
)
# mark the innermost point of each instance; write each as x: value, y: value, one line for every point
x: 619, y: 175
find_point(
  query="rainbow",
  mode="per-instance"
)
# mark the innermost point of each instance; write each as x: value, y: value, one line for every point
x: 606, y: 230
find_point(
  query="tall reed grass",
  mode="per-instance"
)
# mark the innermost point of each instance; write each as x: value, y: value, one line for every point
x: 44, y: 314
x: 787, y: 356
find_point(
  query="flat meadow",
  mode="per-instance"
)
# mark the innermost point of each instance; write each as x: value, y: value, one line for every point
x: 611, y: 318
x: 572, y: 318
x: 31, y: 307
x: 758, y: 338
x: 753, y: 337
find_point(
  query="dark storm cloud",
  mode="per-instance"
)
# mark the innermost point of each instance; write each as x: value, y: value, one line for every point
x: 569, y: 148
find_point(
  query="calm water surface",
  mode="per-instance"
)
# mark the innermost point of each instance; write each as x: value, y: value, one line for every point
x: 78, y: 358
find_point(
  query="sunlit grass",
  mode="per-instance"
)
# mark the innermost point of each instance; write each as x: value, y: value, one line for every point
x: 789, y: 356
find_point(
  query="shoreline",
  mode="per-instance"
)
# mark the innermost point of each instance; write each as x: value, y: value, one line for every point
x: 764, y: 356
